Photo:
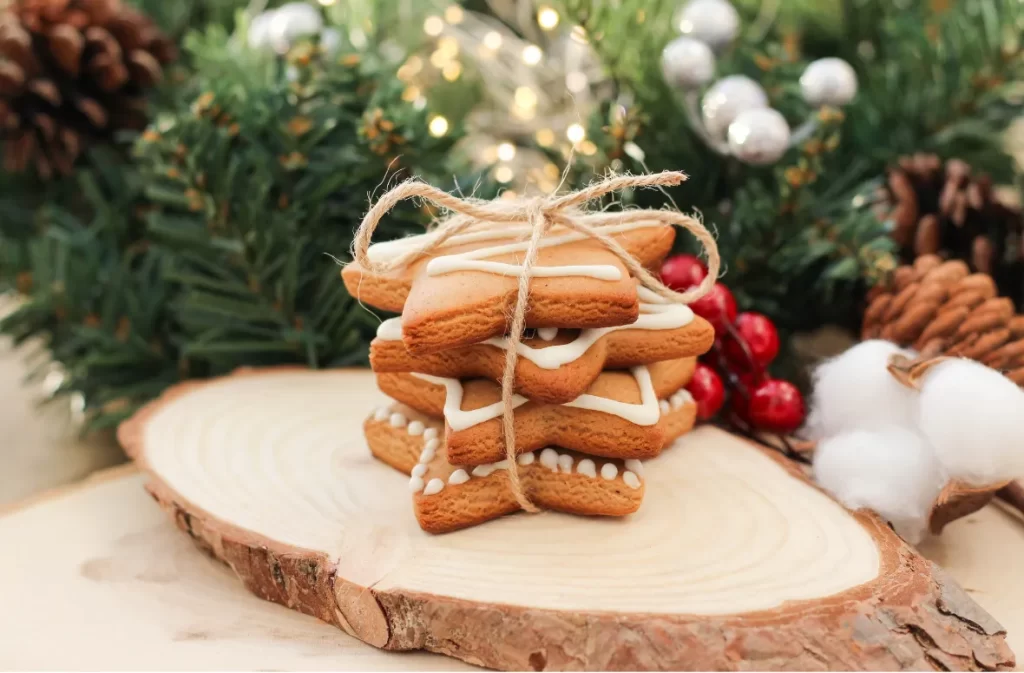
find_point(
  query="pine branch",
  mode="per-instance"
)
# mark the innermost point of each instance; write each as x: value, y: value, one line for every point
x: 215, y: 247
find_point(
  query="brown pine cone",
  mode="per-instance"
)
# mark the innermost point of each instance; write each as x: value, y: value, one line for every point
x: 942, y: 208
x: 941, y: 307
x: 73, y: 72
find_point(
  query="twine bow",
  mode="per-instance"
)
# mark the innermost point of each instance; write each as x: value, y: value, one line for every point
x: 541, y: 214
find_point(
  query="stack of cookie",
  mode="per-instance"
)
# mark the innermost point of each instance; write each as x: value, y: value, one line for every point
x: 599, y: 384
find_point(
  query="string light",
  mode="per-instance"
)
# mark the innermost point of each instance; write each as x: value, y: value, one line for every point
x: 451, y: 71
x: 588, y: 148
x: 506, y: 151
x: 438, y: 59
x: 509, y: 194
x: 532, y: 54
x: 547, y: 18
x: 492, y: 40
x: 575, y: 133
x: 525, y: 97
x: 327, y: 3
x: 449, y: 46
x: 453, y: 14
x: 433, y: 26
x: 634, y: 151
x: 579, y: 34
x: 524, y: 113
x: 438, y: 126
x: 576, y: 81
x: 545, y: 137
x: 410, y: 93
x: 503, y: 174
x: 551, y: 171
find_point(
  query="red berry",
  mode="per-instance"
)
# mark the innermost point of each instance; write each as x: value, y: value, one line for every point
x: 681, y: 272
x: 707, y: 390
x: 776, y: 406
x: 718, y: 307
x: 761, y: 338
x: 744, y: 385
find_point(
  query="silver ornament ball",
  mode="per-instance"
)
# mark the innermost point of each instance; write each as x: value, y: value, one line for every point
x: 330, y: 40
x: 726, y: 99
x: 292, y: 22
x: 687, y: 63
x: 714, y: 22
x: 828, y: 81
x: 759, y: 136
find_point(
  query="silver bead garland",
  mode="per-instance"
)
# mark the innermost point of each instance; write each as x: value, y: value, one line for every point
x: 734, y: 116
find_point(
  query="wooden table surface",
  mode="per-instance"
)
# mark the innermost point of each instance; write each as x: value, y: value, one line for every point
x: 95, y: 576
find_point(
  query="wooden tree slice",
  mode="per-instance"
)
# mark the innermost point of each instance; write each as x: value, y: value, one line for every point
x: 733, y: 561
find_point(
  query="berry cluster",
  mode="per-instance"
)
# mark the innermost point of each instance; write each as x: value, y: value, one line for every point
x: 745, y: 344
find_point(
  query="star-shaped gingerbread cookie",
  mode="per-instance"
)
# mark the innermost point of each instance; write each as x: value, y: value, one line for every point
x: 464, y: 292
x: 623, y: 414
x: 557, y: 366
x: 448, y: 497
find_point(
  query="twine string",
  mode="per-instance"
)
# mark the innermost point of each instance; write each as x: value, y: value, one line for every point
x: 540, y: 214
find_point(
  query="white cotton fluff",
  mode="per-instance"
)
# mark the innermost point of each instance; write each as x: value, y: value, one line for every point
x: 973, y: 417
x: 891, y: 471
x: 855, y: 390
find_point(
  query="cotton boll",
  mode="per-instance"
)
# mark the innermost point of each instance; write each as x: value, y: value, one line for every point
x: 855, y: 390
x: 891, y: 471
x: 974, y: 417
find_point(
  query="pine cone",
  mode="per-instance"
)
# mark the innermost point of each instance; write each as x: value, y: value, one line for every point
x: 73, y: 72
x: 941, y: 307
x: 941, y: 209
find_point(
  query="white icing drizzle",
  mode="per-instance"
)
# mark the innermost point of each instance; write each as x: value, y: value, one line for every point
x: 656, y: 313
x: 525, y: 459
x: 547, y: 333
x: 549, y: 459
x: 453, y: 413
x: 609, y: 471
x: 433, y: 487
x: 652, y: 317
x: 397, y: 420
x: 648, y: 412
x: 587, y: 468
x: 459, y: 476
x: 664, y: 406
x: 382, y: 414
x: 429, y: 434
x: 419, y: 470
x: 415, y: 428
x: 634, y: 465
x: 474, y: 260
x: 631, y: 479
x: 416, y: 483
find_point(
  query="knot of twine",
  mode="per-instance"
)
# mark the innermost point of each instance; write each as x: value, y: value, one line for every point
x: 541, y: 214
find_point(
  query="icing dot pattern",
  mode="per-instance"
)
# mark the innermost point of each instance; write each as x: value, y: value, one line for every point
x: 549, y: 458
